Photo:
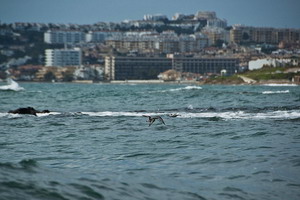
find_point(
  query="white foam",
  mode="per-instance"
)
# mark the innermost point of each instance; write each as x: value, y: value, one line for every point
x: 47, y: 114
x: 11, y: 115
x: 276, y: 92
x: 119, y: 114
x: 190, y: 87
x: 223, y: 115
x: 230, y: 115
x: 243, y: 115
x: 278, y: 85
x: 12, y: 85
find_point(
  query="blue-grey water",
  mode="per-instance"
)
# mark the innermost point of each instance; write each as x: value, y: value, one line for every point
x: 228, y: 142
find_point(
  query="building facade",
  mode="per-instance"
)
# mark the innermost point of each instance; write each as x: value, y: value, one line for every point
x: 64, y: 37
x: 205, y: 65
x: 63, y: 57
x: 135, y: 68
x: 130, y: 68
x: 246, y: 34
x: 167, y: 42
x: 101, y: 36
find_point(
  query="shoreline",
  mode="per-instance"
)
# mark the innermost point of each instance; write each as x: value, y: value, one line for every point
x: 265, y: 82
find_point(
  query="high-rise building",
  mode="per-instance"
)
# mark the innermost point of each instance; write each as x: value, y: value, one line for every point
x: 63, y: 57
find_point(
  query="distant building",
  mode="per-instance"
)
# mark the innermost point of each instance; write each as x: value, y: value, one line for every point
x: 220, y: 23
x: 63, y: 57
x: 156, y: 17
x: 216, y: 34
x: 275, y: 62
x: 135, y: 68
x: 64, y: 37
x: 166, y: 42
x: 129, y: 68
x: 101, y: 36
x: 205, y: 15
x: 246, y: 34
x: 205, y: 65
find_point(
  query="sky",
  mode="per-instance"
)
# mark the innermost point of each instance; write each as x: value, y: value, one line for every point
x: 261, y: 13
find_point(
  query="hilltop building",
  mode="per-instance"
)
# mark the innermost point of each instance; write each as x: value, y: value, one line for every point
x: 156, y: 17
x: 205, y: 15
x: 63, y: 57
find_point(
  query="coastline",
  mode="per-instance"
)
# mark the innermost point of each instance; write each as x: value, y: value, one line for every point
x: 265, y: 82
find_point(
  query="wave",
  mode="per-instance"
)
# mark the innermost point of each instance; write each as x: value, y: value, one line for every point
x: 190, y: 87
x: 276, y: 92
x: 205, y: 113
x: 11, y: 115
x: 278, y: 85
x: 12, y: 86
x: 230, y: 115
x: 31, y: 180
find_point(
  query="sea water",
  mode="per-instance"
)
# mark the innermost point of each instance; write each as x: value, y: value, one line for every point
x: 227, y: 142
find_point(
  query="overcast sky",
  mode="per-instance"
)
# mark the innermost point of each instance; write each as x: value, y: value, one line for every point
x: 270, y: 13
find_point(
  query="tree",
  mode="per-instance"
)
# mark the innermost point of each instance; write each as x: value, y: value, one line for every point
x: 49, y: 76
x: 246, y: 36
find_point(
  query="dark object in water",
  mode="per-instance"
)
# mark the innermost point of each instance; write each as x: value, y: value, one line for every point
x: 27, y: 111
x: 152, y: 119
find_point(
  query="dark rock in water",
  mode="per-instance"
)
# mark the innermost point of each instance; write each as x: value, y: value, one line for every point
x: 27, y: 111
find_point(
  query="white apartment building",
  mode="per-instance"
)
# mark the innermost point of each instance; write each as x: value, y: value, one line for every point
x: 275, y: 62
x: 156, y: 17
x: 101, y: 36
x: 214, y: 34
x: 220, y: 23
x: 64, y: 37
x: 63, y: 57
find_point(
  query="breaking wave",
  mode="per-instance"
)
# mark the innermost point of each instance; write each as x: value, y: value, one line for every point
x: 190, y: 87
x: 206, y: 113
x: 12, y: 86
x: 276, y: 92
x: 278, y: 85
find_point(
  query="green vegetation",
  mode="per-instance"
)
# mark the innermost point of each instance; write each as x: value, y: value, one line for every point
x: 269, y: 73
x: 31, y: 43
x: 234, y: 79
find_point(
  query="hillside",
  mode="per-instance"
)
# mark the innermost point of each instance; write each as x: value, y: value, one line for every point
x: 267, y: 74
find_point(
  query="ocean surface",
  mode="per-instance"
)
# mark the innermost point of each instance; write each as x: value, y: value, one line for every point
x: 227, y: 142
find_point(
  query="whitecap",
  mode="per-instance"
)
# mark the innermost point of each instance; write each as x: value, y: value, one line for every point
x: 190, y: 107
x: 294, y: 114
x: 119, y: 114
x: 276, y: 92
x: 278, y: 85
x: 12, y: 85
x: 190, y: 87
x: 47, y: 114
